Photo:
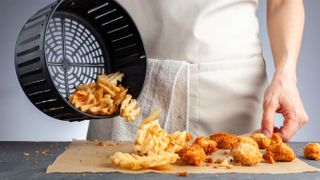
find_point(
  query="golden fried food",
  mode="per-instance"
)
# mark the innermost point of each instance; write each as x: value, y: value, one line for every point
x: 246, y: 154
x: 268, y: 157
x: 151, y: 160
x: 248, y: 140
x: 151, y: 137
x: 193, y: 154
x: 224, y: 140
x: 312, y: 151
x: 278, y: 151
x: 182, y: 174
x: 105, y: 97
x: 262, y: 140
x: 128, y: 108
x: 208, y: 145
x: 156, y: 147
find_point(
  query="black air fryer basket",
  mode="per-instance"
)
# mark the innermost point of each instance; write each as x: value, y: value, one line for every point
x: 71, y: 42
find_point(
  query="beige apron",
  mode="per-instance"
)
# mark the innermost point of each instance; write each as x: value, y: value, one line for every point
x: 219, y: 38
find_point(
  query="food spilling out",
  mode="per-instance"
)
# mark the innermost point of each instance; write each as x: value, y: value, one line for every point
x: 104, y: 97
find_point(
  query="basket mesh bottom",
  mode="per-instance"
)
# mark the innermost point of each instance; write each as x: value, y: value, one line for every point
x: 73, y: 54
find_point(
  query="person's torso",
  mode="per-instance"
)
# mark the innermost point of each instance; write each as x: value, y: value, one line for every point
x: 197, y: 31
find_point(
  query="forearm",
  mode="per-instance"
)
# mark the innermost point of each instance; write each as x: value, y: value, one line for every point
x: 285, y: 27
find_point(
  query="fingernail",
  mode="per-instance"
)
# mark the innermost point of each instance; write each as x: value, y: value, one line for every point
x: 266, y: 132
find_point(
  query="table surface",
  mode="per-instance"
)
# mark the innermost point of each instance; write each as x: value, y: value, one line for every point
x: 15, y: 165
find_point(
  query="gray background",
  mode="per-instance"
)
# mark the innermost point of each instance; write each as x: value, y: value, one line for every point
x: 21, y: 121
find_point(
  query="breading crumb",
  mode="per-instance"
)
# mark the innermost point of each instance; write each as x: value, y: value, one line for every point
x: 183, y: 174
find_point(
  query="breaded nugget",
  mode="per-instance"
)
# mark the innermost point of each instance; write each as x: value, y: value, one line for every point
x: 278, y: 151
x: 248, y: 140
x: 224, y: 140
x: 193, y: 154
x: 262, y: 140
x: 246, y: 154
x: 208, y: 145
x: 312, y: 151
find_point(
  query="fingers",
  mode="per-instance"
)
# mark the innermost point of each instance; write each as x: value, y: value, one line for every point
x: 270, y: 106
x: 292, y: 123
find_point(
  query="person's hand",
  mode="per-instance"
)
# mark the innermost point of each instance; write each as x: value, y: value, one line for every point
x: 282, y: 96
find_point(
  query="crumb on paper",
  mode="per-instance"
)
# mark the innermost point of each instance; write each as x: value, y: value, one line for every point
x: 183, y: 174
x: 111, y: 145
x: 215, y: 166
x: 209, y: 160
x: 224, y: 163
x: 218, y: 161
x: 101, y: 144
x: 229, y: 166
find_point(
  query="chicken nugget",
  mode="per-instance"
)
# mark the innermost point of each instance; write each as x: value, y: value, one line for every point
x: 248, y: 140
x: 262, y: 140
x: 278, y: 151
x: 193, y: 154
x: 246, y: 154
x: 312, y: 151
x: 224, y: 140
x: 208, y: 145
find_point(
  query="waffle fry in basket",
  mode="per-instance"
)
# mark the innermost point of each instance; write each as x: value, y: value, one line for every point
x: 105, y: 97
x: 155, y: 147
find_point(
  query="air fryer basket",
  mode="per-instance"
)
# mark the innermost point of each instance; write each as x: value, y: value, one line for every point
x: 71, y: 42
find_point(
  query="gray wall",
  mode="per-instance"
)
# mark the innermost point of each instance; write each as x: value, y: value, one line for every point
x: 21, y: 121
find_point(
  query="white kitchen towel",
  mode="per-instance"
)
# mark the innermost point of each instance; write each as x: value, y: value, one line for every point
x: 166, y: 87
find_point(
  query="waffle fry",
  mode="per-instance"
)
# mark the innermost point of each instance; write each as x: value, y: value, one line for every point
x: 151, y: 137
x: 113, y: 78
x: 105, y: 97
x: 151, y: 160
x: 128, y: 110
x: 154, y: 145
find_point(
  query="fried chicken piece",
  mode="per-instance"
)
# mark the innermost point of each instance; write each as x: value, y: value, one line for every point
x: 268, y: 157
x: 224, y: 140
x: 248, y: 140
x: 312, y: 151
x: 193, y: 154
x: 262, y: 140
x: 246, y: 154
x: 209, y: 146
x: 278, y: 151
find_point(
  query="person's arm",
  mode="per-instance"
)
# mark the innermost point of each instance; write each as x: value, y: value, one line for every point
x: 285, y: 27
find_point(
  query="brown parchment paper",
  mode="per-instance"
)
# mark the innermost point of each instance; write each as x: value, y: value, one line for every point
x: 88, y: 157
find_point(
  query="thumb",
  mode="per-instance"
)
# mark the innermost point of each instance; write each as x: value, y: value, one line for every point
x: 269, y: 109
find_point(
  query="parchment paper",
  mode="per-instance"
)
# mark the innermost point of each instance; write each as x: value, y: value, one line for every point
x: 88, y: 157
